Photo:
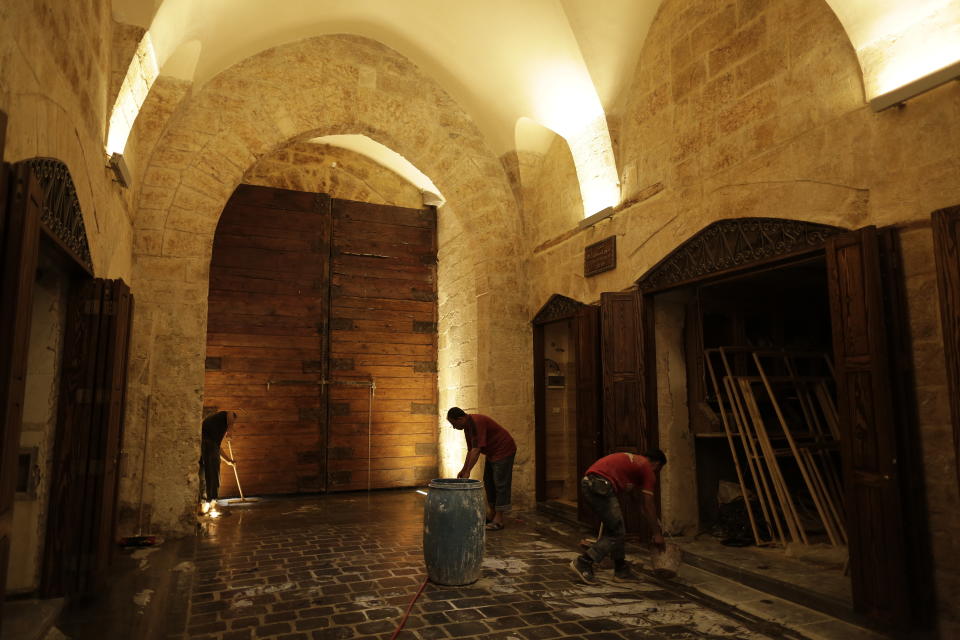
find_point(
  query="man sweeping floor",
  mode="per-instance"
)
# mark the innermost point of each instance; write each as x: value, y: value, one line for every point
x: 213, y: 430
x: 604, y: 481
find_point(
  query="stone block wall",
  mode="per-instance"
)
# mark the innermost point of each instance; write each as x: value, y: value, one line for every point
x: 321, y: 168
x: 55, y: 74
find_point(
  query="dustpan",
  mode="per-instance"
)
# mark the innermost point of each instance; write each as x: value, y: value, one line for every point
x: 666, y: 563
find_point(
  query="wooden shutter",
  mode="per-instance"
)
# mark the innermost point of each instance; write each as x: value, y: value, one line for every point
x: 946, y: 244
x: 589, y: 405
x: 82, y: 515
x: 20, y: 234
x: 628, y: 423
x: 626, y: 409
x: 868, y: 439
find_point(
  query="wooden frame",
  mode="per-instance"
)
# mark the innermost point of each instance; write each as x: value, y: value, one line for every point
x: 585, y: 338
x: 946, y: 244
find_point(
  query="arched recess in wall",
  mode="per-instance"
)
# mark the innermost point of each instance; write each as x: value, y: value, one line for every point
x: 739, y: 309
x: 352, y: 85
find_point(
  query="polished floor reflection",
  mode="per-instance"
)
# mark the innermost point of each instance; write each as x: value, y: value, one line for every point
x: 347, y: 566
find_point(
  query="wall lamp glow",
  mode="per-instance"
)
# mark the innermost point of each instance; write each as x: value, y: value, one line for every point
x: 121, y: 173
x: 915, y: 88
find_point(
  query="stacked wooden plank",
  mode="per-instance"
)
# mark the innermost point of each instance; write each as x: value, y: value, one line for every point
x: 780, y: 424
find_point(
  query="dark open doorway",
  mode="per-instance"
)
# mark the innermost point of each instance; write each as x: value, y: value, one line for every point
x: 775, y: 323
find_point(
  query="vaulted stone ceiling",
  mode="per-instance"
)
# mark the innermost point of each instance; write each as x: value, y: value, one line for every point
x: 562, y: 64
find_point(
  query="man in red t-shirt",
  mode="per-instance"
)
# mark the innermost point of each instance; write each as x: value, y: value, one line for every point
x: 604, y: 481
x: 485, y: 436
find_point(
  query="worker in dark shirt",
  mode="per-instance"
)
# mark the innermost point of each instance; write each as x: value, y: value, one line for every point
x: 485, y: 436
x: 213, y: 430
x: 601, y: 486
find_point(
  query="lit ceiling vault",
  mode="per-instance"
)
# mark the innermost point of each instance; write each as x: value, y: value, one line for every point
x: 560, y: 63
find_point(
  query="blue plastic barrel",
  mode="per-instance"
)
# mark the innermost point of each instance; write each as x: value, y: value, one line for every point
x: 453, y: 533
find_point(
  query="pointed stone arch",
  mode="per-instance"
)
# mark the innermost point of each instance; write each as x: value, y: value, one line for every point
x: 303, y: 90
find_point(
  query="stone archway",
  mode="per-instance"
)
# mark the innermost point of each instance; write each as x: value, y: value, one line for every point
x: 318, y: 86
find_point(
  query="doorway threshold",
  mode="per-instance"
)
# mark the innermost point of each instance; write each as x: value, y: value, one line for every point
x: 562, y: 511
x: 810, y: 576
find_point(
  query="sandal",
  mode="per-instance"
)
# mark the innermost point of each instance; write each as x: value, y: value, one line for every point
x: 493, y: 526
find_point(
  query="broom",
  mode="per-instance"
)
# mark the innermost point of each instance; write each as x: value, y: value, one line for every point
x: 235, y: 474
x: 141, y: 540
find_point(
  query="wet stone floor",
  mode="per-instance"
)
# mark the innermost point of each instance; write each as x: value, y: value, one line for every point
x: 347, y: 566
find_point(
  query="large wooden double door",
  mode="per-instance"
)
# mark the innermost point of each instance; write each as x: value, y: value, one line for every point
x: 322, y: 332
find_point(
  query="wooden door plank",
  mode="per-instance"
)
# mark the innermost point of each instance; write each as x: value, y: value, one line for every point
x: 946, y: 243
x: 589, y: 398
x: 269, y: 297
x: 628, y: 416
x: 868, y: 429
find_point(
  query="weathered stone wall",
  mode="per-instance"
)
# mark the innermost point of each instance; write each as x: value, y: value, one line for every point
x: 321, y: 168
x: 746, y: 108
x: 265, y: 103
x: 55, y: 66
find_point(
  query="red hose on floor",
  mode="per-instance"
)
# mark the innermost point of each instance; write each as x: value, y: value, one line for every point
x: 403, y: 620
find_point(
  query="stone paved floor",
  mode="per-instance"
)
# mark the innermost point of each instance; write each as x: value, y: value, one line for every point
x: 347, y: 566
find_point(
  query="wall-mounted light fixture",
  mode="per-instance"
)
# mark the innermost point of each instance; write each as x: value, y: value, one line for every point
x: 120, y: 171
x: 915, y: 88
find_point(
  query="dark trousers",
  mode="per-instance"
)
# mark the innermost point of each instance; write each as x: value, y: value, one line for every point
x: 497, y: 480
x: 599, y: 494
x: 209, y: 470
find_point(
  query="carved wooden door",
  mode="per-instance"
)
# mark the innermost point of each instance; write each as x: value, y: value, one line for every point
x: 628, y: 422
x: 589, y: 398
x: 81, y: 526
x: 22, y: 196
x: 869, y: 440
